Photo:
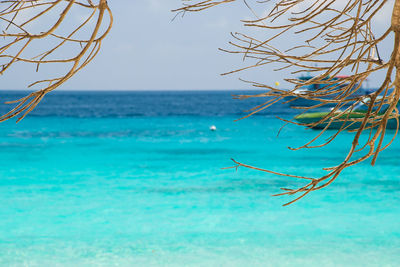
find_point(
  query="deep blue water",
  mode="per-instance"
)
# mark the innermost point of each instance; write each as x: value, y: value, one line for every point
x: 141, y: 103
x: 135, y: 179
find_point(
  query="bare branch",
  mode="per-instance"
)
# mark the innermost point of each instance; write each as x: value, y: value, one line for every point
x: 333, y: 38
x: 20, y: 34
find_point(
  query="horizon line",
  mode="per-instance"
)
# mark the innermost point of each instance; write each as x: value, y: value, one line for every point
x: 130, y: 90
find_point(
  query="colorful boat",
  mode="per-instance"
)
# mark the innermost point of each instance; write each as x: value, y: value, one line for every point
x: 312, y: 119
x: 334, y: 82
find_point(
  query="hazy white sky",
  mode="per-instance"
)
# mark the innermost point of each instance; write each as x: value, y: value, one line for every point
x: 148, y: 51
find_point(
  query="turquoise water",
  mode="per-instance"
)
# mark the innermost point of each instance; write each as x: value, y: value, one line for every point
x: 149, y: 191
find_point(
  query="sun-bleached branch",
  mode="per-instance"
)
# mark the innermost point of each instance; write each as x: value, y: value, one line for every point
x: 18, y: 36
x: 331, y: 38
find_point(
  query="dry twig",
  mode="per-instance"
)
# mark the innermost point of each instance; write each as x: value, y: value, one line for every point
x: 337, y: 35
x: 21, y: 20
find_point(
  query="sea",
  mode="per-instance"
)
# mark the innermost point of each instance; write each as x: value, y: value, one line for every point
x: 138, y: 179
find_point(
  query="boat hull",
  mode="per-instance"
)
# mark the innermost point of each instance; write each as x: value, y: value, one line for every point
x: 311, y: 118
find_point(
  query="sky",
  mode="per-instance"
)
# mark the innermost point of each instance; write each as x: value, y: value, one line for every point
x: 146, y: 50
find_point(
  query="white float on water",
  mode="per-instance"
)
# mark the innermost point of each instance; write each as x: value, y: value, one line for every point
x: 213, y: 128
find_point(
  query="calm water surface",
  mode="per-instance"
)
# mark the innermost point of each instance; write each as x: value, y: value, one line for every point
x: 124, y: 179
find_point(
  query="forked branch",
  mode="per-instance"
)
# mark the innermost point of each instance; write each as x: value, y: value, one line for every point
x: 333, y: 38
x: 20, y: 20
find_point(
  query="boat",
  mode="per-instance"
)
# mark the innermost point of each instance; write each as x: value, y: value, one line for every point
x: 335, y: 82
x: 312, y: 119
